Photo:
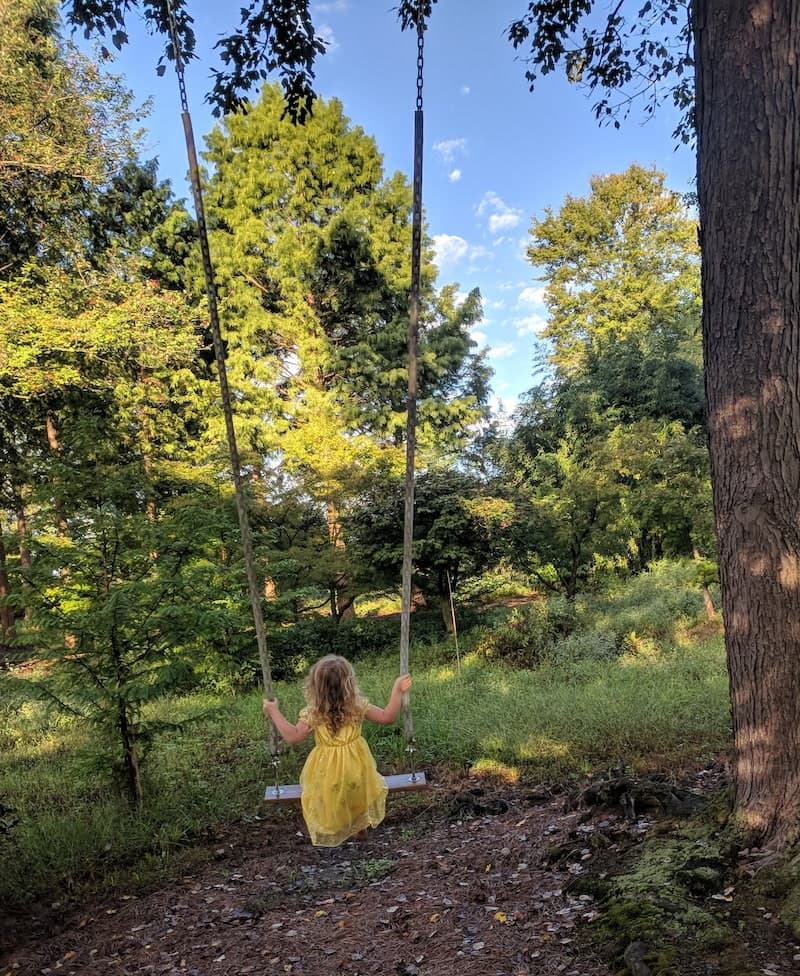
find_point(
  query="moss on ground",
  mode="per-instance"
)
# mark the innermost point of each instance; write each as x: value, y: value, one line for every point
x: 662, y: 904
x: 781, y: 883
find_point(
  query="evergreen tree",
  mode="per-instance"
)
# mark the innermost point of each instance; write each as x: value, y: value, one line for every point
x: 312, y: 246
x: 65, y: 128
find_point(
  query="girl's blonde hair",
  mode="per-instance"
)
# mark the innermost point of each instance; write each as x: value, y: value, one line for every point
x: 332, y: 693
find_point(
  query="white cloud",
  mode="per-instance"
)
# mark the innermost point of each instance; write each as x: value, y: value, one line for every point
x: 448, y: 148
x: 332, y: 7
x: 455, y: 176
x: 504, y: 221
x: 498, y: 213
x: 448, y: 249
x: 531, y: 296
x: 530, y: 324
x: 479, y: 251
x: 478, y: 336
x: 465, y: 89
x: 502, y: 352
x: 325, y: 31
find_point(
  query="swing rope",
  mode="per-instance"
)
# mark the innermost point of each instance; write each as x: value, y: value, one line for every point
x: 222, y: 372
x: 411, y: 402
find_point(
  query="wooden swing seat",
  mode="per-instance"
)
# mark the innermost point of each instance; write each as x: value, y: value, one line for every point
x: 405, y: 782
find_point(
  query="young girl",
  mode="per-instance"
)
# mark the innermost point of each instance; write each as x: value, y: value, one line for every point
x: 343, y: 793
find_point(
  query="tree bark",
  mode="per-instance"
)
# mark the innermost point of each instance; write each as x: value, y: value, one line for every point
x: 418, y: 600
x: 131, y: 774
x: 58, y: 500
x: 6, y: 610
x: 708, y: 602
x: 344, y: 605
x: 24, y: 551
x: 748, y: 115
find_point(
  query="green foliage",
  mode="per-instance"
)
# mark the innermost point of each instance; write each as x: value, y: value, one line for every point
x: 312, y: 258
x: 567, y: 500
x: 548, y: 722
x: 651, y: 604
x: 621, y: 264
x: 633, y: 615
x: 315, y: 297
x: 65, y: 128
x: 640, y: 48
x: 294, y: 648
x: 527, y: 638
x: 457, y: 529
x: 269, y: 37
x: 109, y: 609
x: 607, y: 463
x: 583, y: 646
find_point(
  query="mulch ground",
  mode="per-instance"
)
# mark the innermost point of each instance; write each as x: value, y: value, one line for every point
x: 459, y: 880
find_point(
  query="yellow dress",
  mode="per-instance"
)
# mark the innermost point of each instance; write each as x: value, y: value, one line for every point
x: 343, y: 792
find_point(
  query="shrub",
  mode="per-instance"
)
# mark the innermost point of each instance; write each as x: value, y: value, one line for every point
x: 366, y: 637
x: 526, y: 639
x: 293, y: 649
x: 7, y: 820
x: 648, y: 605
x: 562, y: 614
x: 585, y: 645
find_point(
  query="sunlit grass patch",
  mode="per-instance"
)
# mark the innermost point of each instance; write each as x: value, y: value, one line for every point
x: 496, y: 771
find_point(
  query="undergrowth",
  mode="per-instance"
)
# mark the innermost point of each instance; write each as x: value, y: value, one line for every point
x: 591, y: 701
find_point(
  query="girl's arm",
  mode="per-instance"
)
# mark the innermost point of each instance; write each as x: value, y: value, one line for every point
x: 388, y: 715
x: 288, y: 732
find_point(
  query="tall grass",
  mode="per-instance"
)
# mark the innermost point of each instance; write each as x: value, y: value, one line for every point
x: 551, y: 722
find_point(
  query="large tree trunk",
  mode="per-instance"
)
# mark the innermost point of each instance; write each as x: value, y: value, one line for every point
x: 748, y: 113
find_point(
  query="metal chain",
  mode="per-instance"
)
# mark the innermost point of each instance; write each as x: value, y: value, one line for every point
x: 411, y: 421
x: 176, y: 47
x: 420, y: 61
x: 276, y: 768
x: 411, y: 749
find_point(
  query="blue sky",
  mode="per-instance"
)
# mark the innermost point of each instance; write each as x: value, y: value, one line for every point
x: 496, y: 155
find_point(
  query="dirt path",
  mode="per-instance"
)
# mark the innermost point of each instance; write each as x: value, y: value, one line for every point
x: 468, y: 893
x: 469, y: 879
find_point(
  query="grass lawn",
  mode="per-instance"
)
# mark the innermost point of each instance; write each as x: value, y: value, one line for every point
x: 670, y: 703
